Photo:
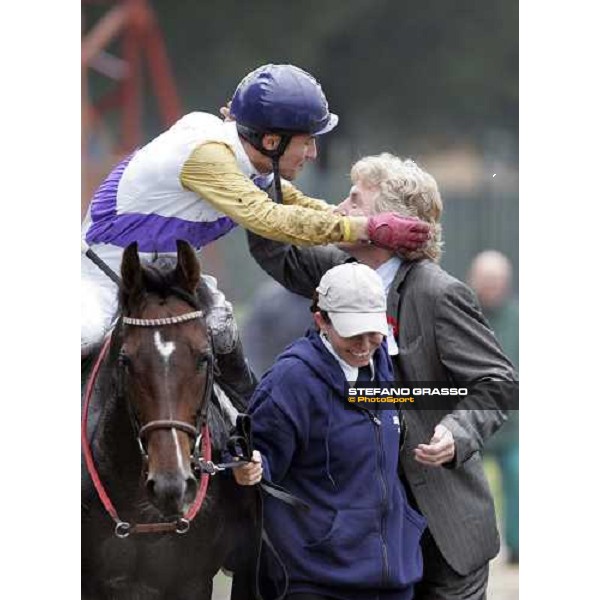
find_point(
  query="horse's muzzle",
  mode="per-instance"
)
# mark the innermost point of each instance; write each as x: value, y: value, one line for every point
x: 170, y: 492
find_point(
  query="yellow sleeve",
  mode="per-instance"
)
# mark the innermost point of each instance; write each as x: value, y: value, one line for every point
x: 212, y: 172
x: 292, y: 195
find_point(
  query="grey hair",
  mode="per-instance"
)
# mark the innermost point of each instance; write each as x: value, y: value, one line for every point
x: 405, y: 188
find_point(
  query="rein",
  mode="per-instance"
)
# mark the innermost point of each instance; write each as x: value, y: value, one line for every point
x: 201, y: 457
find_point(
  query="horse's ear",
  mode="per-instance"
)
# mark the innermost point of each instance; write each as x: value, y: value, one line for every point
x: 131, y: 273
x: 188, y: 267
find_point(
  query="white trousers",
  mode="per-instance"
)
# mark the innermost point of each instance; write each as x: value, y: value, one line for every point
x: 99, y: 305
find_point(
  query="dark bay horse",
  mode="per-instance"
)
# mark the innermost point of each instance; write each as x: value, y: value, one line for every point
x: 147, y: 409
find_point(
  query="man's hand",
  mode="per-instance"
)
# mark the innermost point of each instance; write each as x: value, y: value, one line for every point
x: 250, y: 473
x: 440, y: 449
x: 391, y: 231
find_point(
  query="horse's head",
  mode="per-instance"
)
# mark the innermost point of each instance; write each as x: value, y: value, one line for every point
x: 165, y: 368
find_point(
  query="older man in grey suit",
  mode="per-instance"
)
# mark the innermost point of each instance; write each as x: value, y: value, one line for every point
x: 437, y: 334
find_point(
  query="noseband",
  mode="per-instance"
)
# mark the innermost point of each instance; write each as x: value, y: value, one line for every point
x: 200, y: 434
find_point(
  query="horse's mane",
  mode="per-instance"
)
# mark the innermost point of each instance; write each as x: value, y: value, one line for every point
x: 159, y: 277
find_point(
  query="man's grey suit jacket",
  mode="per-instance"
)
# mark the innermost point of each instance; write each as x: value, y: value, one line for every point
x: 443, y: 337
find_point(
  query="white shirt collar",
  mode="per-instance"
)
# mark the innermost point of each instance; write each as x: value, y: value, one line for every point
x: 350, y: 372
x: 387, y: 271
x: 244, y: 162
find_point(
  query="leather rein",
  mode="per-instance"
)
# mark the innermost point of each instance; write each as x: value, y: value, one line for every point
x: 202, y: 464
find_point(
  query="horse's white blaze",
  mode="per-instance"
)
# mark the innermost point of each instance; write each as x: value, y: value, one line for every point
x: 180, y: 465
x: 164, y: 349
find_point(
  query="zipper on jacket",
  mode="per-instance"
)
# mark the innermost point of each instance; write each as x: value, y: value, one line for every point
x: 372, y: 417
x: 386, y: 568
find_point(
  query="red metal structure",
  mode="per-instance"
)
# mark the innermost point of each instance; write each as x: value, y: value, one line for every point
x: 131, y: 27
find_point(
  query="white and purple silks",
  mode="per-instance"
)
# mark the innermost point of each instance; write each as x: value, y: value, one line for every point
x: 142, y: 200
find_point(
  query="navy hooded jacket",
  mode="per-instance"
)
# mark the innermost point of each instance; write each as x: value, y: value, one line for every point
x: 360, y: 539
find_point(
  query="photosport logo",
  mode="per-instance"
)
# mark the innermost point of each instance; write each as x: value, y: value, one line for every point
x: 485, y: 395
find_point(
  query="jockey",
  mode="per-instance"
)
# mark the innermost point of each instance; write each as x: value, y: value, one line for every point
x: 204, y: 176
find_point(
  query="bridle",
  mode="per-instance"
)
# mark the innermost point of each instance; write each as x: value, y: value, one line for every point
x: 201, y: 455
x: 194, y: 431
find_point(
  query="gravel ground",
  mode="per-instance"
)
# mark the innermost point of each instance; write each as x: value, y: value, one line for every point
x: 504, y: 580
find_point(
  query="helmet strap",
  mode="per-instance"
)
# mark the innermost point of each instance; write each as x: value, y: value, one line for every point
x: 275, y: 155
x: 277, y: 180
x: 254, y: 138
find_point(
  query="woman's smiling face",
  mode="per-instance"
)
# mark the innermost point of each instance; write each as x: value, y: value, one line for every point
x: 357, y: 350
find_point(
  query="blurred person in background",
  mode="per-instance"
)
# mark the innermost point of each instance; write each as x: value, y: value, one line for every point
x: 204, y: 176
x: 490, y: 276
x: 276, y: 318
x: 360, y: 539
x: 436, y: 334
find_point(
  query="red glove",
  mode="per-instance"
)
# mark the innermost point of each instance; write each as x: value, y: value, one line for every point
x: 391, y: 231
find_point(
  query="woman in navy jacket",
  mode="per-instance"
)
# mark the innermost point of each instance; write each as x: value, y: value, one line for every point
x: 360, y: 539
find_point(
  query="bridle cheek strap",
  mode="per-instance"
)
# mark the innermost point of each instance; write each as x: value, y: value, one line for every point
x: 203, y: 486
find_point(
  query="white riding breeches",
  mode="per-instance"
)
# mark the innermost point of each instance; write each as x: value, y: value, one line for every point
x: 99, y: 308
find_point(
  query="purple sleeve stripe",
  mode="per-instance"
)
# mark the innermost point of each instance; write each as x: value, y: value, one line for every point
x: 104, y: 202
x: 155, y: 233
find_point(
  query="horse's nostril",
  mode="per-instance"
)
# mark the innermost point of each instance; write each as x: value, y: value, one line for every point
x: 150, y: 487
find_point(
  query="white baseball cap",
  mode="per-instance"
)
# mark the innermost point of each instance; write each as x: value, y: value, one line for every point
x: 354, y: 298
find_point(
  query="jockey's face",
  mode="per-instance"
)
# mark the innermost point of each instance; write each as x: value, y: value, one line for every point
x: 301, y: 148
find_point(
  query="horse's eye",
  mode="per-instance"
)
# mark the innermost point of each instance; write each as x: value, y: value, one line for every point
x: 125, y: 362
